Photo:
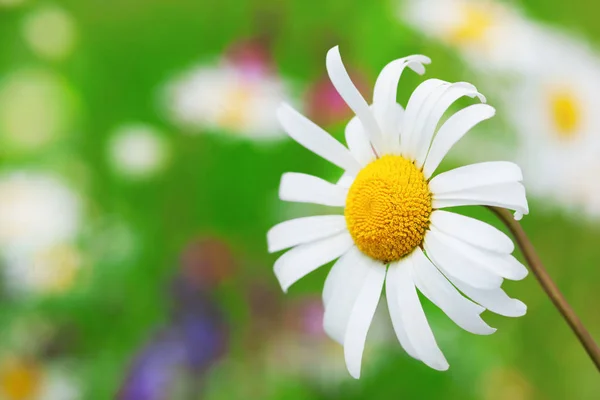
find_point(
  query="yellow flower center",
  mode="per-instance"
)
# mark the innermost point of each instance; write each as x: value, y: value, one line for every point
x: 474, y: 25
x: 19, y: 381
x: 234, y: 114
x: 565, y: 113
x: 388, y: 208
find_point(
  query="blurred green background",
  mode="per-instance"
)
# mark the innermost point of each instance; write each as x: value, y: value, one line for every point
x: 156, y: 282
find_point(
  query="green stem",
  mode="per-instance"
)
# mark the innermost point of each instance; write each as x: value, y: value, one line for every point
x: 540, y: 272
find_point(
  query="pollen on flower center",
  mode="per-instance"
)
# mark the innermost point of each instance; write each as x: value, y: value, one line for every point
x: 388, y: 208
x: 565, y: 112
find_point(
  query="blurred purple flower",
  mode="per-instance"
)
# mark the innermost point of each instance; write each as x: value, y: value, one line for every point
x: 198, y: 335
x: 154, y: 369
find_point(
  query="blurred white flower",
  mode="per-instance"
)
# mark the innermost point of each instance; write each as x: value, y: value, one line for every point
x: 36, y: 108
x: 138, y: 151
x: 25, y: 378
x: 47, y: 270
x: 225, y: 96
x: 36, y: 210
x: 489, y: 34
x: 50, y: 32
x: 39, y: 218
x: 555, y: 115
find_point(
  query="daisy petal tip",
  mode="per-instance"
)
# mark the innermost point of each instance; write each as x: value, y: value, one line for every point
x: 481, y: 98
x: 521, y: 308
x: 333, y: 55
x: 354, y: 372
x: 417, y: 67
x: 489, y: 331
x: 441, y: 366
x: 520, y: 274
x: 518, y: 216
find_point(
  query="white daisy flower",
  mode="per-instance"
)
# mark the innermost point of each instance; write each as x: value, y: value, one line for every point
x: 138, y: 151
x: 489, y: 34
x: 36, y: 211
x: 227, y: 97
x: 554, y: 113
x: 45, y: 271
x: 392, y: 230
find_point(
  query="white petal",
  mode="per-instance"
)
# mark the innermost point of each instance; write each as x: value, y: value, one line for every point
x: 358, y: 142
x: 434, y: 285
x: 386, y: 90
x: 450, y: 95
x: 362, y: 316
x: 423, y: 118
x: 503, y: 265
x: 333, y: 277
x: 413, y: 317
x: 343, y: 84
x: 506, y: 195
x: 394, y: 309
x: 495, y: 300
x: 507, y: 266
x: 392, y: 137
x: 475, y: 175
x: 346, y: 180
x: 315, y: 139
x: 345, y: 287
x: 303, y: 230
x: 302, y: 260
x: 413, y: 109
x: 472, y: 231
x: 303, y: 188
x: 440, y: 249
x: 452, y: 131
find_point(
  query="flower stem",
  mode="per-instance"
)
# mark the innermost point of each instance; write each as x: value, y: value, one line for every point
x: 535, y: 264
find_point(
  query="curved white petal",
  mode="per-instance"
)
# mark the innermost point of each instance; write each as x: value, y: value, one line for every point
x: 345, y: 287
x: 434, y: 285
x: 315, y: 139
x: 362, y: 316
x: 303, y: 188
x: 503, y: 265
x: 414, y: 111
x: 303, y: 259
x: 472, y: 231
x: 386, y: 90
x: 495, y: 300
x: 505, y: 195
x: 441, y: 250
x: 450, y: 95
x: 303, y: 230
x: 394, y: 309
x: 343, y: 84
x: 452, y: 131
x: 423, y: 118
x: 358, y: 142
x: 476, y: 175
x: 413, y: 317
